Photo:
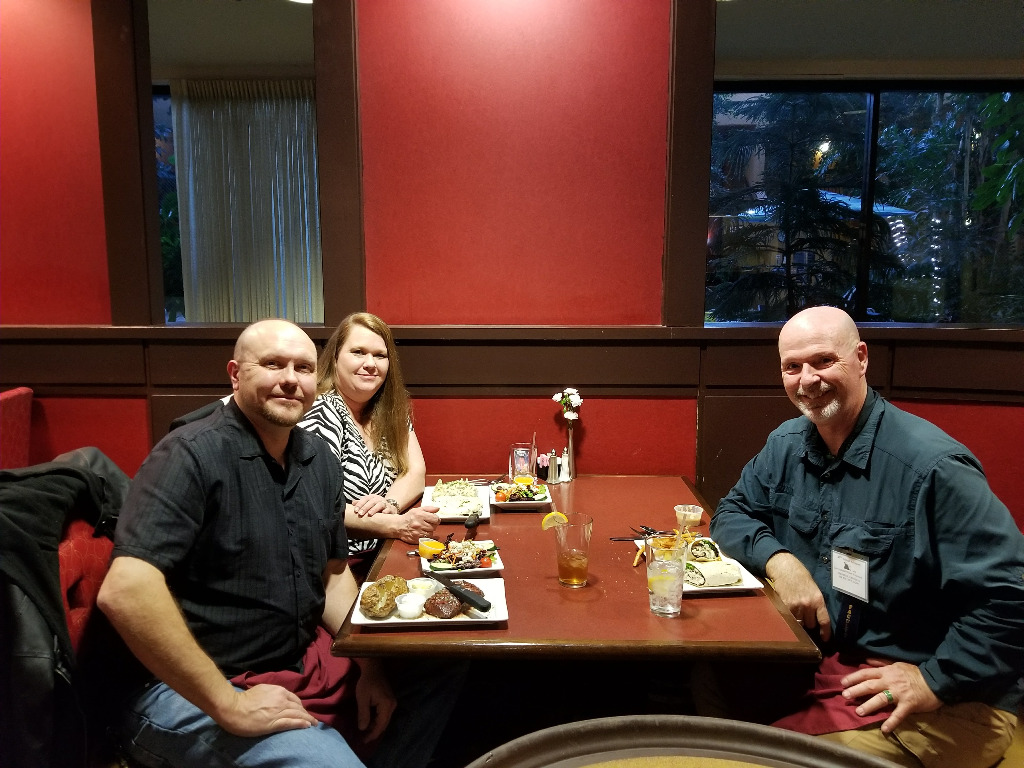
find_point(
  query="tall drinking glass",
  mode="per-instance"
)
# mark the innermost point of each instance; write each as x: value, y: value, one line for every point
x: 522, y: 463
x: 666, y: 570
x: 572, y: 546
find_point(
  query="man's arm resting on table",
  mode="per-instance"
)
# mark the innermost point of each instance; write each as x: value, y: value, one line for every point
x: 799, y: 592
x: 374, y: 698
x: 135, y: 598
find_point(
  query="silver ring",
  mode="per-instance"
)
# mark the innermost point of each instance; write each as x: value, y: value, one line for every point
x: 888, y: 695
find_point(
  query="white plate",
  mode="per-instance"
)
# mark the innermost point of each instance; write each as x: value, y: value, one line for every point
x: 493, y: 589
x: 521, y: 505
x: 496, y: 566
x: 482, y: 492
x: 748, y: 581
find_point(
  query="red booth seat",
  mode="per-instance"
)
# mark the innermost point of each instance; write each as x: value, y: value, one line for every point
x: 15, y: 427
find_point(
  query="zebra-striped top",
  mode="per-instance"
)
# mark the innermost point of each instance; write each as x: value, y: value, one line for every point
x: 364, y: 471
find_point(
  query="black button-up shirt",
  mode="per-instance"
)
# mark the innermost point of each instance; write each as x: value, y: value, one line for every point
x: 242, y: 541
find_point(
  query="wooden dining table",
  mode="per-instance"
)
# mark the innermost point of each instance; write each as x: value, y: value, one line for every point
x: 608, y: 618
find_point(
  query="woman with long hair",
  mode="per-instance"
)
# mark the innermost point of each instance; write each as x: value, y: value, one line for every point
x: 362, y: 410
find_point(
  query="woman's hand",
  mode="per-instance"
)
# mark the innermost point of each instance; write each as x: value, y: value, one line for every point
x: 372, y: 504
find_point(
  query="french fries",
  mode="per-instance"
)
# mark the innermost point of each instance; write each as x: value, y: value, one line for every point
x: 687, y: 536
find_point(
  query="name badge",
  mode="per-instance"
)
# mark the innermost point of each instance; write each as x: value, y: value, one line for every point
x: 850, y: 574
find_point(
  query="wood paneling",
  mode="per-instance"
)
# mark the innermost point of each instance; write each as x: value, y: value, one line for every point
x: 730, y: 376
x: 732, y: 429
x: 163, y: 409
x: 757, y: 365
x: 202, y: 365
x: 959, y: 368
x: 689, y: 160
x: 509, y: 365
x: 74, y: 364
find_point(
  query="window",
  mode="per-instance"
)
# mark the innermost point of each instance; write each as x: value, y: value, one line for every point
x: 239, y: 208
x: 897, y: 205
x: 167, y: 197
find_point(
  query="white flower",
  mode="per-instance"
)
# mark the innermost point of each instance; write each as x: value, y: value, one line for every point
x: 571, y: 415
x: 570, y: 391
x: 557, y: 397
x: 575, y: 400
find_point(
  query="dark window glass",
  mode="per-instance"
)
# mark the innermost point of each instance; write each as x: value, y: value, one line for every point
x: 919, y: 221
x: 167, y: 195
x: 945, y: 159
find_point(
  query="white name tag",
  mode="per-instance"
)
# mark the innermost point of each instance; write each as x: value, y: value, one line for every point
x: 850, y: 574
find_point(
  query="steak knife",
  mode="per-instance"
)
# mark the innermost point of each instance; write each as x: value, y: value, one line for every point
x: 470, y: 598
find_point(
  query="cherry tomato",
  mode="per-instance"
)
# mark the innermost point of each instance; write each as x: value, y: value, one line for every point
x: 501, y: 496
x: 485, y: 562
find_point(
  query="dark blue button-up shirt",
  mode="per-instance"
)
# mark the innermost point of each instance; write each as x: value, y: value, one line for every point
x: 945, y: 558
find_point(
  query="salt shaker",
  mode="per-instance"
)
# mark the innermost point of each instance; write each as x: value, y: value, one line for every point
x: 563, y: 475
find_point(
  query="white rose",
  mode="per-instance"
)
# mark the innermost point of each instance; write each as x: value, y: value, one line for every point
x: 571, y: 415
x: 575, y: 401
x: 557, y: 398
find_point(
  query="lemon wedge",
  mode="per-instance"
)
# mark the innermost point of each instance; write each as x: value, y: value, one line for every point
x: 553, y: 518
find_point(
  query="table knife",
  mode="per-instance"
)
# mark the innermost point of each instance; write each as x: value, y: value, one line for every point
x: 470, y: 598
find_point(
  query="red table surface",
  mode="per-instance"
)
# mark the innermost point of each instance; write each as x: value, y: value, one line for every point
x: 610, y: 616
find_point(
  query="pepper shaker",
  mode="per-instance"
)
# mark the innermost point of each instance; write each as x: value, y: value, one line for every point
x: 553, y: 468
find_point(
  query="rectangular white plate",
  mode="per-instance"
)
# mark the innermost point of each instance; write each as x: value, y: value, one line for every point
x: 496, y: 565
x: 748, y: 581
x: 520, y: 505
x: 493, y: 589
x: 482, y: 491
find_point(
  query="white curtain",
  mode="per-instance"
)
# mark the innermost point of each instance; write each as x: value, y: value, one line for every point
x: 245, y: 154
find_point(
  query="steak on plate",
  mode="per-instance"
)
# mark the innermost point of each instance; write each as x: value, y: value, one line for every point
x: 444, y: 605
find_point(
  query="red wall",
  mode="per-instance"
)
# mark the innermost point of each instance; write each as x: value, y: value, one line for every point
x: 53, y: 260
x: 994, y: 433
x: 117, y: 426
x: 514, y: 160
x: 472, y: 436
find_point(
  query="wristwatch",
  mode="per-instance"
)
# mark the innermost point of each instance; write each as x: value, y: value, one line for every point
x: 394, y: 504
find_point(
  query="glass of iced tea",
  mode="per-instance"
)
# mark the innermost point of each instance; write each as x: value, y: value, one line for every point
x: 572, y: 546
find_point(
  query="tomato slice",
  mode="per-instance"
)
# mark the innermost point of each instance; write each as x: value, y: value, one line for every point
x: 501, y: 496
x: 486, y: 562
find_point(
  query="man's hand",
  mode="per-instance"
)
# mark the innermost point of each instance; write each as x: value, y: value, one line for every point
x: 375, y: 701
x: 261, y: 710
x: 414, y: 524
x: 907, y: 690
x: 799, y: 592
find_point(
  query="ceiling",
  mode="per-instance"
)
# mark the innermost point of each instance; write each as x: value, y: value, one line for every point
x: 755, y: 38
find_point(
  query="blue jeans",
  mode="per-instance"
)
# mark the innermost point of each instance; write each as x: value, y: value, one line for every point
x: 163, y: 730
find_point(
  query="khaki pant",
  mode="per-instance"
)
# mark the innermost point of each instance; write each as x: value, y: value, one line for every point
x: 968, y: 735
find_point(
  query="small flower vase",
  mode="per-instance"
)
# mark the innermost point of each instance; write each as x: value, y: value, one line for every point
x: 572, y: 455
